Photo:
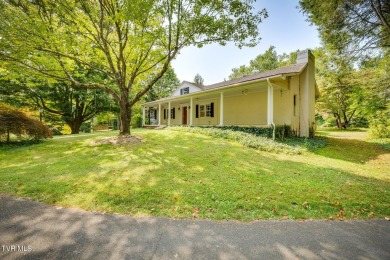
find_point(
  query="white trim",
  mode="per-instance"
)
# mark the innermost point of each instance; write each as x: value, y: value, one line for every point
x: 270, y: 104
x: 143, y: 116
x: 159, y: 113
x: 191, y: 105
x: 169, y: 113
x: 221, y: 110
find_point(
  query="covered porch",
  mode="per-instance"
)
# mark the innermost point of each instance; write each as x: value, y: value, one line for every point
x: 245, y: 104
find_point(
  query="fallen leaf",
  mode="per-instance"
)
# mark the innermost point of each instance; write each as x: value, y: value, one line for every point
x: 195, y: 213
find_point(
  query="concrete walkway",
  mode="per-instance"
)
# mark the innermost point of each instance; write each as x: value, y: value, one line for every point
x: 46, y: 232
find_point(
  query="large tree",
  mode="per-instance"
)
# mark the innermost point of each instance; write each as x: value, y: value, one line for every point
x: 131, y: 42
x: 351, y: 25
x: 350, y: 91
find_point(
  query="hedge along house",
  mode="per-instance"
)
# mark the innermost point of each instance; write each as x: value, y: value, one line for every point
x: 283, y: 96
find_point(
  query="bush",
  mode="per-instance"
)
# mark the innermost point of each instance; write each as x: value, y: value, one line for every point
x: 136, y: 121
x: 86, y: 127
x: 380, y: 125
x: 281, y: 131
x: 13, y: 121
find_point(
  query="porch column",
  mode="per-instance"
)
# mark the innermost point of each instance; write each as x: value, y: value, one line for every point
x: 221, y: 110
x: 143, y: 116
x: 270, y: 104
x: 159, y: 113
x: 191, y: 105
x: 169, y: 113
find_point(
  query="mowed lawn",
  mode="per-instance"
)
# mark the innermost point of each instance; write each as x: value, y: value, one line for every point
x: 185, y: 175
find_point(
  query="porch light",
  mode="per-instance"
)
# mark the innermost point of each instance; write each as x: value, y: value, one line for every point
x: 178, y: 109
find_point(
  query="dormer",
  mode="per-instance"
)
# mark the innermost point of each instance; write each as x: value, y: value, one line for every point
x: 185, y: 88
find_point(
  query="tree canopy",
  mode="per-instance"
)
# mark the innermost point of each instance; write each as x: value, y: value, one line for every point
x: 267, y: 61
x: 351, y: 25
x: 130, y: 42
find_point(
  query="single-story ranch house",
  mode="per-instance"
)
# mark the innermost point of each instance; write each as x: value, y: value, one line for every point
x: 283, y: 96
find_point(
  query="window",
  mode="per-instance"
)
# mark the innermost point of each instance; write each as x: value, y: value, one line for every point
x: 205, y: 110
x: 202, y: 111
x: 184, y: 91
x: 208, y: 110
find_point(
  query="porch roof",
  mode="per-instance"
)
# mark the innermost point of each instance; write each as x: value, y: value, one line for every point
x: 279, y: 72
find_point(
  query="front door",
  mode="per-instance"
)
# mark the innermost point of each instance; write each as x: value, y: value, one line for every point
x: 184, y: 115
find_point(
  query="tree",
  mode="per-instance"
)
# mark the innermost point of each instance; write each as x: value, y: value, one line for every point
x: 198, y: 80
x: 349, y: 92
x: 130, y: 42
x: 164, y: 86
x: 267, y: 61
x: 351, y: 25
x: 72, y: 104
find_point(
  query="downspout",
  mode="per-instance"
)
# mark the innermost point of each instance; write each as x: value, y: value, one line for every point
x: 272, y: 123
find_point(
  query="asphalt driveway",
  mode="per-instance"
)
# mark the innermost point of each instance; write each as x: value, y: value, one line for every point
x: 32, y: 230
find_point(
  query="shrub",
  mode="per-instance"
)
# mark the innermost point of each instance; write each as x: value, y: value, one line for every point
x: 380, y: 124
x: 136, y: 121
x: 86, y: 127
x: 13, y: 121
x: 281, y: 131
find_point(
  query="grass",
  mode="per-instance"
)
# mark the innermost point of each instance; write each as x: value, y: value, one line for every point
x: 288, y: 145
x: 181, y: 174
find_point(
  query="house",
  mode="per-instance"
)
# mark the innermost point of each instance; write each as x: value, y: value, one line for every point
x: 276, y: 97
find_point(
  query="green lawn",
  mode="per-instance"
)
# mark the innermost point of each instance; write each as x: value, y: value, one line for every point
x: 186, y: 175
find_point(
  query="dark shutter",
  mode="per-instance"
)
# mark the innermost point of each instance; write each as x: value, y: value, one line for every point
x: 165, y: 116
x: 173, y: 113
x: 155, y: 114
x: 197, y: 111
x: 181, y: 91
x: 212, y: 109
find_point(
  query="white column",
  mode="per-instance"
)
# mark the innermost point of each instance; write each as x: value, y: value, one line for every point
x: 169, y: 113
x: 143, y: 116
x: 159, y: 113
x: 270, y: 104
x: 221, y: 110
x: 191, y: 105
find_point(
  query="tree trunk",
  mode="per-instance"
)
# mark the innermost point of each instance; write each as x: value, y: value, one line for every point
x: 125, y: 114
x: 75, y: 128
x: 338, y: 120
x: 8, y: 139
x: 74, y: 124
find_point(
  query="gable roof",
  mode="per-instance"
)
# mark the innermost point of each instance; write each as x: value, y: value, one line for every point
x: 292, y: 69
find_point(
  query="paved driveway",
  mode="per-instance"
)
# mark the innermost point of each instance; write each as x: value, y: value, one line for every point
x: 31, y: 230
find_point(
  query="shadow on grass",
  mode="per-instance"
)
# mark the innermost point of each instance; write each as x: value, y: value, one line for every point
x: 201, y: 176
x: 351, y: 150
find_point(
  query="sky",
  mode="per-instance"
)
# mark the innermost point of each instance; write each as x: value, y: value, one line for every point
x: 285, y: 28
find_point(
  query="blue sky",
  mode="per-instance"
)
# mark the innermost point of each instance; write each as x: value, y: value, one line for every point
x: 285, y: 28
